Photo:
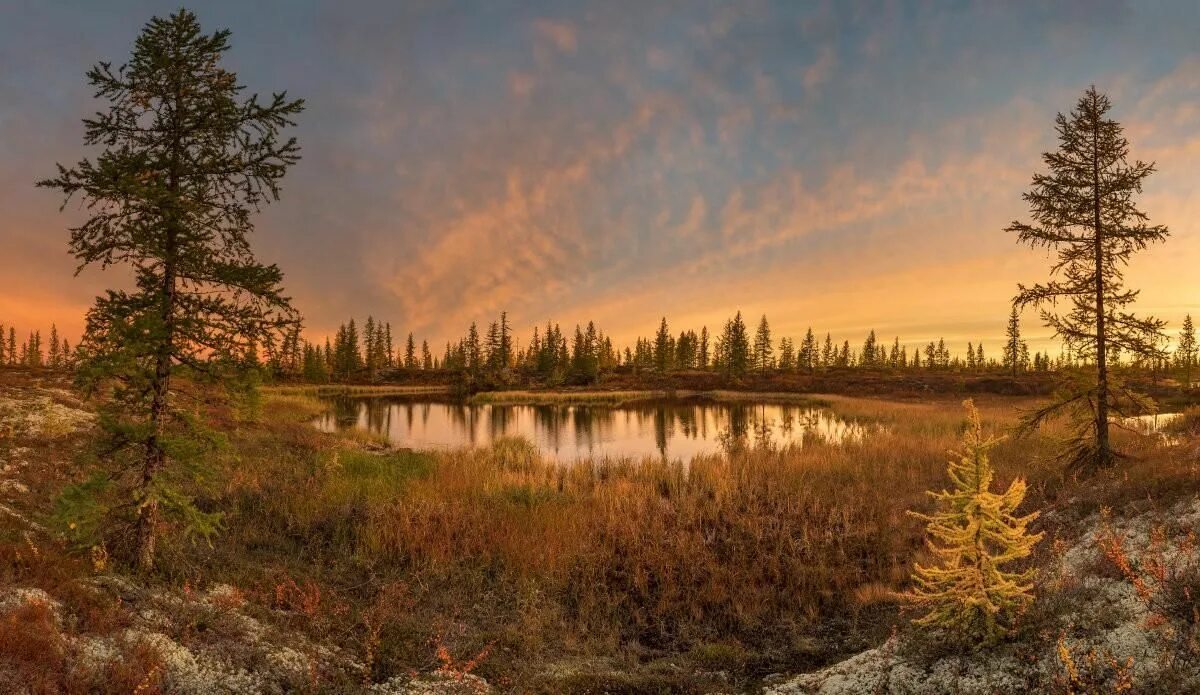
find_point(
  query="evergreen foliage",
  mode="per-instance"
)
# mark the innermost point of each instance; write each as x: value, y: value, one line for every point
x: 186, y: 161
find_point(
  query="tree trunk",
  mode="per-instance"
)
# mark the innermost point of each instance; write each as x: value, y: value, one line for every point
x: 1103, y: 449
x: 155, y: 454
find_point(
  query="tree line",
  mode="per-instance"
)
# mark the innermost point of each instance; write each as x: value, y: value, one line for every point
x: 494, y: 358
x: 57, y: 353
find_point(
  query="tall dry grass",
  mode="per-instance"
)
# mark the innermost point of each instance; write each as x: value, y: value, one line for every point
x: 766, y: 548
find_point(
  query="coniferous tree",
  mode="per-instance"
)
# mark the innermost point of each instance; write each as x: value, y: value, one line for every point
x: 3, y: 348
x: 868, y: 351
x: 809, y: 357
x: 974, y: 535
x: 1084, y: 210
x: 764, y: 354
x: 662, y: 347
x: 1012, y: 347
x: 55, y: 356
x: 12, y: 345
x: 702, y: 356
x: 787, y: 355
x: 1185, y: 350
x: 370, y: 358
x: 737, y: 347
x: 426, y: 355
x: 410, y: 353
x: 828, y: 354
x: 186, y: 161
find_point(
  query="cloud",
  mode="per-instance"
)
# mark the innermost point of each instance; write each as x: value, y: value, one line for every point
x: 558, y: 33
x: 820, y: 71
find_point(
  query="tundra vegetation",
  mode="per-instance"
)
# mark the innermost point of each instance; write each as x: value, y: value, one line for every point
x: 169, y: 525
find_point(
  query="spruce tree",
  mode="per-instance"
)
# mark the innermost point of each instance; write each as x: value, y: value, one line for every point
x: 1185, y: 350
x: 764, y: 354
x: 1084, y: 210
x: 1012, y: 347
x: 808, y: 351
x: 662, y: 347
x: 12, y: 345
x: 974, y: 535
x: 410, y: 353
x: 185, y: 162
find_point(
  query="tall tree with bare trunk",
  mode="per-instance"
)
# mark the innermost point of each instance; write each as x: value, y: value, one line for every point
x: 1084, y: 210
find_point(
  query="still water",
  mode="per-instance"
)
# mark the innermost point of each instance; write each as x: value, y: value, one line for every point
x: 674, y: 430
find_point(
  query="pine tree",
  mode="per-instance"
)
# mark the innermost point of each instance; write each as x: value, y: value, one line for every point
x: 764, y: 354
x: 12, y: 345
x: 974, y: 535
x: 1185, y: 350
x: 426, y: 355
x: 702, y: 356
x: 185, y: 164
x: 1084, y: 210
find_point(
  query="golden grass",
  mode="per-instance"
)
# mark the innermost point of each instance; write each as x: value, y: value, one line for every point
x: 763, y: 547
x: 355, y: 390
x: 622, y: 398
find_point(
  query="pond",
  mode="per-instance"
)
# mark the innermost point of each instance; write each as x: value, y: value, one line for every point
x: 673, y: 429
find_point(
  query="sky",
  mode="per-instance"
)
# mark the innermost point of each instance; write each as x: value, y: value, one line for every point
x: 843, y: 165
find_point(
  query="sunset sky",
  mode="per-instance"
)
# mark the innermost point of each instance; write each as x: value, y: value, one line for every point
x: 840, y: 165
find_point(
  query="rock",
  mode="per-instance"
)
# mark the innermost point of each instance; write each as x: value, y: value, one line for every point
x: 433, y: 684
x: 18, y: 597
x: 1102, y: 614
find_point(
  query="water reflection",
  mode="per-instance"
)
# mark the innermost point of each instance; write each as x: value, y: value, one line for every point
x: 673, y: 430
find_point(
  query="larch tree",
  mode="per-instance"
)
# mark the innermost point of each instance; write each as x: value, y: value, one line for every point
x: 974, y: 535
x: 1084, y: 210
x: 185, y: 161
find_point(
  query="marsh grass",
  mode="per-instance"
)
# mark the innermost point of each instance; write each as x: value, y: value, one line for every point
x: 768, y: 551
x: 626, y: 398
x: 355, y: 390
x: 770, y: 559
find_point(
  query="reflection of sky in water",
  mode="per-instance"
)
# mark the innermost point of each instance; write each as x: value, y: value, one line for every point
x: 567, y: 433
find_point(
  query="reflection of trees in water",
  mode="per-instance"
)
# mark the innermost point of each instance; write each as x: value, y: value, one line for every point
x: 499, y: 417
x: 662, y: 430
x: 375, y: 414
x: 551, y: 420
x: 600, y: 431
x: 463, y: 419
x: 732, y: 438
x: 592, y: 426
x: 688, y: 421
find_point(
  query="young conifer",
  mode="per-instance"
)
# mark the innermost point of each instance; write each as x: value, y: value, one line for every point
x: 974, y: 535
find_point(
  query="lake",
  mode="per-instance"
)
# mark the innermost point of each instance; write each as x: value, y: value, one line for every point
x: 674, y: 429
